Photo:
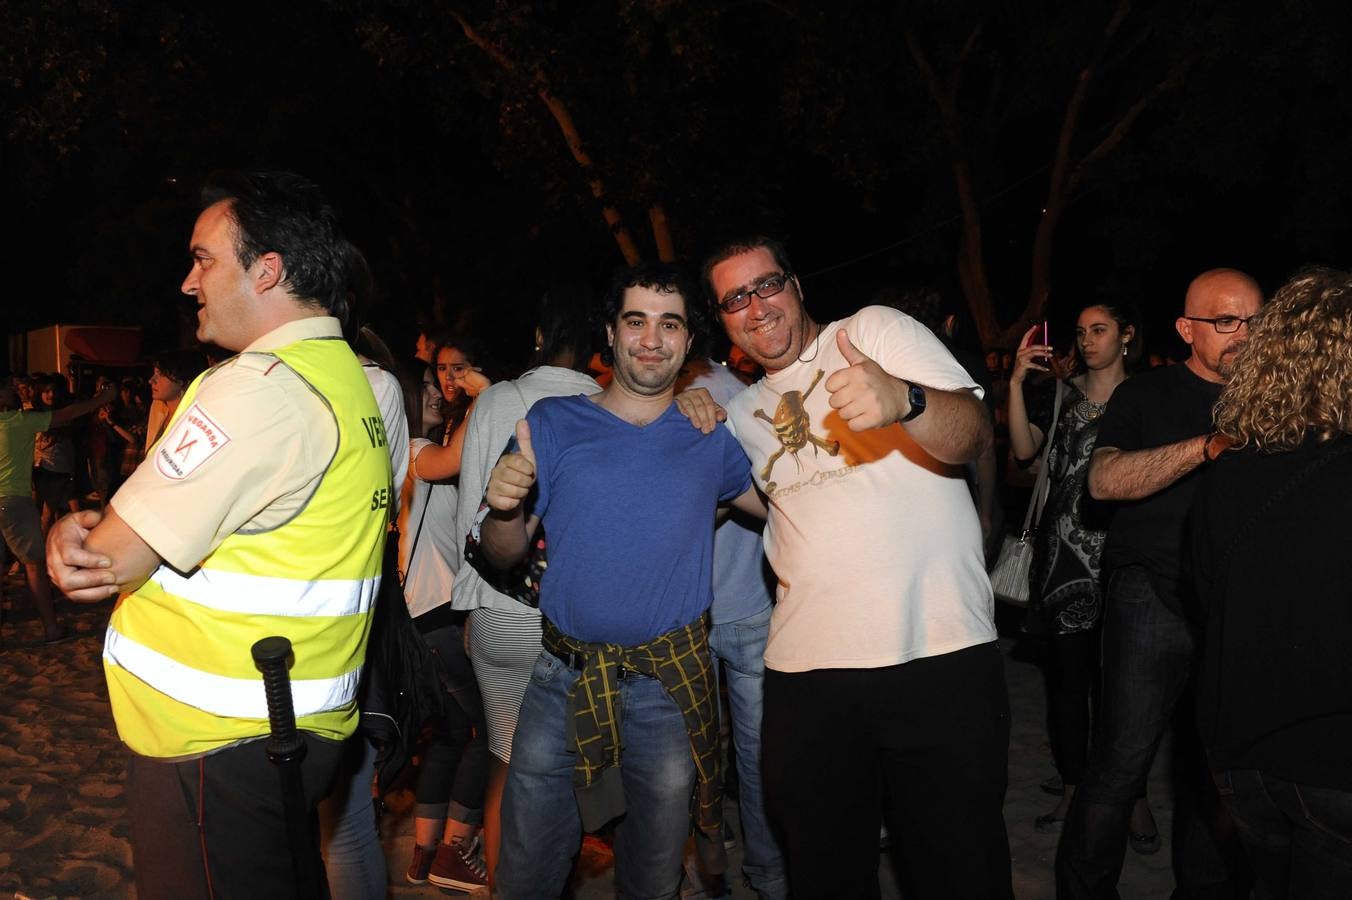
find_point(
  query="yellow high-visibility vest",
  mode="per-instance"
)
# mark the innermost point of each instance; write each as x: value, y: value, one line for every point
x: 181, y: 679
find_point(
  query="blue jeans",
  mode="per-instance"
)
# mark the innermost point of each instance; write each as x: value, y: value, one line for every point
x: 740, y: 646
x: 1298, y: 838
x: 349, y: 840
x: 1147, y: 663
x: 541, y: 825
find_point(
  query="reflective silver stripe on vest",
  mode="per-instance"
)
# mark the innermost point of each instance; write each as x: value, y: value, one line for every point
x: 235, y: 698
x: 262, y: 595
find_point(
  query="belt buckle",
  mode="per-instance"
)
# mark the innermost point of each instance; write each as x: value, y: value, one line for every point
x: 576, y: 661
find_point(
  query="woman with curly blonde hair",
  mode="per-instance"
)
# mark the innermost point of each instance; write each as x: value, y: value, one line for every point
x: 1296, y: 371
x: 1274, y: 576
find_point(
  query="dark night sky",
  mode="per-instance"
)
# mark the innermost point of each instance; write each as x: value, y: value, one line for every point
x: 808, y: 121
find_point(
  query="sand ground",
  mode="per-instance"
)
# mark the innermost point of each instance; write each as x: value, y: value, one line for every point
x: 63, y: 831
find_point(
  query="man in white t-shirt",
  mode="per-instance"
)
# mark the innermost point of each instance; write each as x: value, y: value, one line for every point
x: 883, y: 677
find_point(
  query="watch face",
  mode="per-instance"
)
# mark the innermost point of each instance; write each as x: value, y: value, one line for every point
x: 916, y: 395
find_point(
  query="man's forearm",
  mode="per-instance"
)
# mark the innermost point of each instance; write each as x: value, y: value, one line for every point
x: 504, y: 538
x: 954, y: 428
x: 73, y: 411
x: 1135, y: 474
x: 132, y: 558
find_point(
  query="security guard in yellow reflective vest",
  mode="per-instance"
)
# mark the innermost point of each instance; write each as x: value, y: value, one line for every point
x: 261, y: 511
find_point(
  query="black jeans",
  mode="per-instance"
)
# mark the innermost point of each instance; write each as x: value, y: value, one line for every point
x: 1071, y: 671
x: 932, y: 733
x: 1146, y: 664
x: 1298, y: 837
x: 454, y: 770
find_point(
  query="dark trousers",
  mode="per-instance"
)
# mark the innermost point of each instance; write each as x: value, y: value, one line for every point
x: 1146, y: 664
x: 933, y: 734
x: 1298, y: 838
x: 1071, y: 670
x: 454, y: 769
x: 215, y: 826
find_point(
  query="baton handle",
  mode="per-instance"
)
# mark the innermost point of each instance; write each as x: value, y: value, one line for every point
x: 270, y: 655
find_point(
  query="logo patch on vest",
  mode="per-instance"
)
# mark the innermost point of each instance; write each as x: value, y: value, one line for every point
x: 193, y: 440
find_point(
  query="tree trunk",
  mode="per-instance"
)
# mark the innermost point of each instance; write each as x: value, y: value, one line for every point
x: 666, y: 248
x: 971, y: 258
x: 564, y: 119
x: 971, y: 253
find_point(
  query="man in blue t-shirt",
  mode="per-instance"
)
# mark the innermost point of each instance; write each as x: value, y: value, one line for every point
x: 627, y: 491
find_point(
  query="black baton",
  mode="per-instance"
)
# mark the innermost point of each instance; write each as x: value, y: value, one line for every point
x: 286, y: 749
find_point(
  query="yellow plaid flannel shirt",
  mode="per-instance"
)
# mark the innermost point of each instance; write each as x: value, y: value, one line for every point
x: 681, y: 661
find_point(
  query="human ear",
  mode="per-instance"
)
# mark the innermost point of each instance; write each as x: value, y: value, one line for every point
x: 1184, y: 328
x: 270, y: 272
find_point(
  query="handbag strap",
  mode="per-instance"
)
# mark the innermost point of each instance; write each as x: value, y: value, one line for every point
x: 1040, y: 485
x: 525, y: 407
x: 417, y: 532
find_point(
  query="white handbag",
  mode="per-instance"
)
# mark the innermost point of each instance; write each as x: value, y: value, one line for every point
x: 1009, y: 576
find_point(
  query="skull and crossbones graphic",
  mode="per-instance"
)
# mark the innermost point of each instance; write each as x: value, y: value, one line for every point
x: 791, y: 426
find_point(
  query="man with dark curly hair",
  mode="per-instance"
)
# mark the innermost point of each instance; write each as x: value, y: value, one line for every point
x: 627, y: 491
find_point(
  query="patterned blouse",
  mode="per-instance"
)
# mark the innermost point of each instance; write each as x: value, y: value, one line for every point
x: 1066, y: 579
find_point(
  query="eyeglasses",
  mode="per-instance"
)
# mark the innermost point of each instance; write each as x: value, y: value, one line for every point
x: 765, y: 290
x: 458, y: 369
x: 1222, y: 324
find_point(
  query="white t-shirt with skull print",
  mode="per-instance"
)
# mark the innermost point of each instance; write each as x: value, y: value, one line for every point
x: 876, y: 545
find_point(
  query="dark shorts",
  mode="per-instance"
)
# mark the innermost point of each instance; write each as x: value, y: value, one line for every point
x: 56, y: 489
x: 22, y: 529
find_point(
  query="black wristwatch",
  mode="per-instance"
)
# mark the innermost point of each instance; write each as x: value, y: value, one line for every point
x: 916, y: 395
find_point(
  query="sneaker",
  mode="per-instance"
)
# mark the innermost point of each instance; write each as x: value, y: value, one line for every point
x: 422, y: 862
x: 458, y: 866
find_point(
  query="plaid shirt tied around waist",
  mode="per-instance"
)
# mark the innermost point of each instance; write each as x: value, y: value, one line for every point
x: 681, y: 662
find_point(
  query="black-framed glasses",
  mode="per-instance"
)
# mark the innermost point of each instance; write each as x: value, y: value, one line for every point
x: 765, y: 290
x: 1222, y: 324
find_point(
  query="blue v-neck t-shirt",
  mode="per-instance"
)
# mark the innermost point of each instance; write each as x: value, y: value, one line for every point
x: 629, y: 514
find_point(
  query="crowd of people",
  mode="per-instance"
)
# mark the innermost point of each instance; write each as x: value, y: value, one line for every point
x: 585, y: 551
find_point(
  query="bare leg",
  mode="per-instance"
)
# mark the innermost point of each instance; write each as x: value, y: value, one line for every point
x: 41, y: 588
x: 457, y: 831
x: 1142, y: 819
x: 1067, y: 794
x: 497, y: 779
x: 427, y: 832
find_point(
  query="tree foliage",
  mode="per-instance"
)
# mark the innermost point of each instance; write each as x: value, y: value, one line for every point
x: 1030, y: 154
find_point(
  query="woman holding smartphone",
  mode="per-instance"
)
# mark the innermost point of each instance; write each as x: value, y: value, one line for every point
x: 1066, y: 584
x: 454, y: 771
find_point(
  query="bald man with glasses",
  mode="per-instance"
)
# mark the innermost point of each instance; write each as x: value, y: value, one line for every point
x: 1154, y: 436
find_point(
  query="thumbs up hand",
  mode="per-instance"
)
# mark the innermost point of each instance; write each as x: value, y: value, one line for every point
x: 513, y: 476
x: 866, y: 396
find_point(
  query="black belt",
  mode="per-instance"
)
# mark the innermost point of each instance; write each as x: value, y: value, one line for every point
x: 576, y: 661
